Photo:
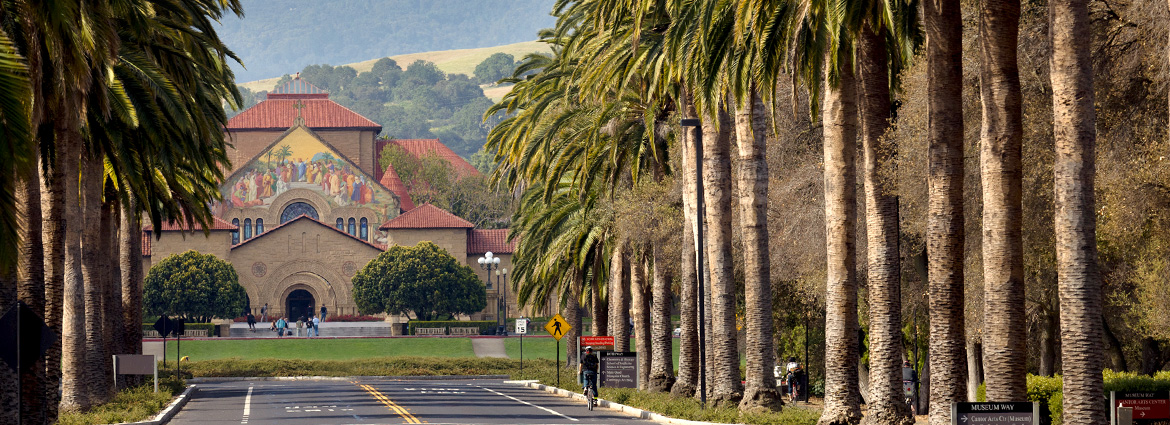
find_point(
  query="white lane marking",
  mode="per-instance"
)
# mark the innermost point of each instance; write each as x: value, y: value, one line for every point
x: 247, y: 406
x: 530, y: 404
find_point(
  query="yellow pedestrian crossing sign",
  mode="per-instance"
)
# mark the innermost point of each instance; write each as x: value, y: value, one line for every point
x: 557, y: 326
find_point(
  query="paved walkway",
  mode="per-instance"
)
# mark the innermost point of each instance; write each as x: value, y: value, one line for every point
x: 489, y: 347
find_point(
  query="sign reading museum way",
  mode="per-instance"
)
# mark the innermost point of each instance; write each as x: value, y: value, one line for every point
x: 1000, y: 413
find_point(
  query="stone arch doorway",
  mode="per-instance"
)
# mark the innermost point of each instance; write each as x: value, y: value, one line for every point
x: 299, y: 303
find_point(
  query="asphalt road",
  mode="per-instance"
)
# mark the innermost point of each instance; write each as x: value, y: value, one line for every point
x: 382, y: 401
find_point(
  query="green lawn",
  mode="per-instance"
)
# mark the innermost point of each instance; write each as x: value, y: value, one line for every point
x: 323, y: 349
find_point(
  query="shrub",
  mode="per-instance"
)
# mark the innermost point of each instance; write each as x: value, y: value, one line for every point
x: 209, y: 327
x: 484, y: 325
x: 352, y: 318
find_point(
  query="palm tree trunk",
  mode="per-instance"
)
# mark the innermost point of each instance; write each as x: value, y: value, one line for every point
x: 619, y: 298
x: 974, y: 367
x: 885, y: 404
x: 53, y: 232
x: 640, y: 306
x: 945, y: 237
x: 839, y: 112
x: 113, y: 302
x: 1000, y: 159
x: 724, y: 350
x: 73, y: 370
x: 9, y: 379
x: 31, y: 287
x: 573, y: 316
x: 130, y: 254
x: 94, y: 275
x: 688, y: 342
x: 598, y: 309
x: 1074, y: 128
x: 688, y: 351
x: 662, y: 365
x: 752, y: 176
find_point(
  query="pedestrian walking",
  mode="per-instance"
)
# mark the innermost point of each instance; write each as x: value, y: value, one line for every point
x: 317, y: 326
x: 324, y: 312
x: 300, y: 324
x: 264, y: 313
x: 251, y: 322
x: 309, y: 327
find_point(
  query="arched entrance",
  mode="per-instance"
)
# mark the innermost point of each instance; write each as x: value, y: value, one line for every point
x: 299, y: 303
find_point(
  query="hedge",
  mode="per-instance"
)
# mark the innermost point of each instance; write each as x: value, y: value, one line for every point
x: 1048, y: 390
x: 209, y: 327
x: 484, y: 325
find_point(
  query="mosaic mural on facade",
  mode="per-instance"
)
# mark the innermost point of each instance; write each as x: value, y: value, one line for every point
x: 300, y: 160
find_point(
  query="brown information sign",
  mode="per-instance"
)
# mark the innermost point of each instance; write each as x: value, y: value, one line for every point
x: 619, y: 369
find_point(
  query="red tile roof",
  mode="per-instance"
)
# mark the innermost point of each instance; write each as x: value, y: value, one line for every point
x: 279, y: 114
x: 421, y: 147
x: 426, y: 216
x: 305, y: 217
x: 145, y: 243
x: 391, y: 180
x: 181, y: 225
x: 480, y: 241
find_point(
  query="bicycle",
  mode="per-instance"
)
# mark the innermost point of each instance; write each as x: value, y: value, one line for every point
x: 590, y: 391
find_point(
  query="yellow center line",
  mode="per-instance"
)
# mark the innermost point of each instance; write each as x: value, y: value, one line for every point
x: 394, y: 407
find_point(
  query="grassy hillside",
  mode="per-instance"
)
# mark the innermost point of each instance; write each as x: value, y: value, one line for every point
x: 460, y: 61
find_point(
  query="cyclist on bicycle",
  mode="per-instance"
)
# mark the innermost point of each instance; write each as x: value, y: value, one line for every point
x: 588, y: 370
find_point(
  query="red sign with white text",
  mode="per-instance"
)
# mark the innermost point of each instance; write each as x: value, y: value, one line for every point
x: 1147, y: 407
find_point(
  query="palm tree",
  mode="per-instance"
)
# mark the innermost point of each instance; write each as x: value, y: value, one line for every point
x: 717, y: 196
x: 619, y: 299
x: 945, y: 237
x: 661, y: 335
x: 640, y: 307
x: 885, y: 404
x: 752, y: 179
x: 688, y: 351
x: 842, y: 395
x: 1074, y: 127
x: 1000, y: 157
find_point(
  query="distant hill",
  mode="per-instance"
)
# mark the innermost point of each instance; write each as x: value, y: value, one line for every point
x: 282, y: 37
x: 460, y: 61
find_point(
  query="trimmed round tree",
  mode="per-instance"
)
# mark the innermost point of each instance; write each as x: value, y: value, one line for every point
x: 194, y: 285
x: 422, y: 279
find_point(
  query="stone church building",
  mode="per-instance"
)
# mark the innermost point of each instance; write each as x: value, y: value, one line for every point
x: 306, y: 205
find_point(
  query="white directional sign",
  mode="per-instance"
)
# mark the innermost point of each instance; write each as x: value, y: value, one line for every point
x: 521, y: 326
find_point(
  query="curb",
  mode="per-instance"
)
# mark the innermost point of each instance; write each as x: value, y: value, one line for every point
x: 644, y: 414
x: 171, y: 410
x: 344, y: 378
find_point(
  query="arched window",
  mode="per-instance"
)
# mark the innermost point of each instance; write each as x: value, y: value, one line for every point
x: 352, y: 227
x: 259, y: 226
x: 365, y: 229
x: 340, y: 224
x: 297, y: 209
x: 236, y: 233
x: 247, y: 228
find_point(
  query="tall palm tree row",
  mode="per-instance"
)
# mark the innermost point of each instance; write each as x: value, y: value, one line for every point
x: 75, y: 69
x: 1075, y: 128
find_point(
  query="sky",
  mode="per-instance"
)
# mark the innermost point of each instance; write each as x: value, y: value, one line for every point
x: 278, y: 37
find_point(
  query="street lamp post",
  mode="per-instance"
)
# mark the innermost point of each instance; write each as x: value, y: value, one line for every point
x: 489, y: 263
x: 502, y: 300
